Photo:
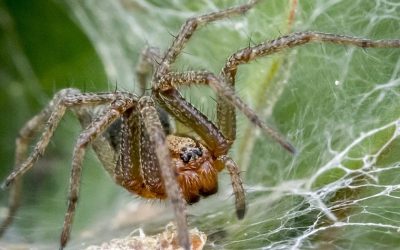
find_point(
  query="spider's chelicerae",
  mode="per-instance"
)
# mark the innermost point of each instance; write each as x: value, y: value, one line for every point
x: 131, y: 135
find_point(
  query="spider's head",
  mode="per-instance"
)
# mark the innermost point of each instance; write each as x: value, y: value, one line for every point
x: 187, y: 153
x: 195, y: 167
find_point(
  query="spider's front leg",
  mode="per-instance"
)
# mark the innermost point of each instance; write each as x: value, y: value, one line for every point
x: 226, y: 107
x: 158, y: 143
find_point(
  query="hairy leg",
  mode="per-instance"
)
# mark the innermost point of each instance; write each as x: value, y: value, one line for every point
x: 56, y: 109
x: 26, y: 135
x: 172, y: 101
x: 237, y: 185
x: 121, y: 102
x: 246, y: 55
x: 174, y: 80
x: 225, y: 111
x: 149, y: 60
x: 188, y: 29
x: 184, y: 111
x: 156, y: 135
x: 128, y: 172
x: 49, y: 119
x: 104, y: 145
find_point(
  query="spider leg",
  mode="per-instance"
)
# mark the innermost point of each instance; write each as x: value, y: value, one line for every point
x: 172, y: 101
x: 122, y: 101
x: 296, y: 39
x: 104, y: 145
x: 189, y: 27
x: 170, y: 98
x: 127, y: 172
x: 225, y: 113
x: 148, y: 61
x: 14, y: 201
x: 25, y: 136
x: 54, y: 111
x: 156, y: 135
x: 224, y: 91
x: 52, y: 114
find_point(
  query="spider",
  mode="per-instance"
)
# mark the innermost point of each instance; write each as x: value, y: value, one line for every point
x: 132, y: 138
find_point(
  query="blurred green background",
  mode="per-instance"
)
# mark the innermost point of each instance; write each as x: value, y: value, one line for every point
x: 322, y: 97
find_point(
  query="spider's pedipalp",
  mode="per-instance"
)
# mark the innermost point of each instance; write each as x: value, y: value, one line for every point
x: 237, y: 185
x: 48, y: 120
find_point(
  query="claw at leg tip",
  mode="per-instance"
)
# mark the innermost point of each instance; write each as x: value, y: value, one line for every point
x: 289, y: 147
x: 240, y: 213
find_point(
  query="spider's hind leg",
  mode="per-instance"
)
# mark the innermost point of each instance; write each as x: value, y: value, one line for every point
x: 47, y: 121
x: 231, y: 100
x: 121, y: 102
x: 51, y: 116
x: 25, y: 137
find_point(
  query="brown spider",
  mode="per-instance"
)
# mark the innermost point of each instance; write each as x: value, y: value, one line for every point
x: 130, y: 134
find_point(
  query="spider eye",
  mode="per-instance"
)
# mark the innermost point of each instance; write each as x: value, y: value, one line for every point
x: 186, y: 157
x: 190, y: 153
x: 198, y: 151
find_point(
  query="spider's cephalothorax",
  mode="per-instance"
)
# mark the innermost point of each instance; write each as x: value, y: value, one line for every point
x: 128, y: 132
x: 196, y: 168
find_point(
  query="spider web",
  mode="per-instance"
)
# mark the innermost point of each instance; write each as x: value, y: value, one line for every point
x: 338, y: 105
